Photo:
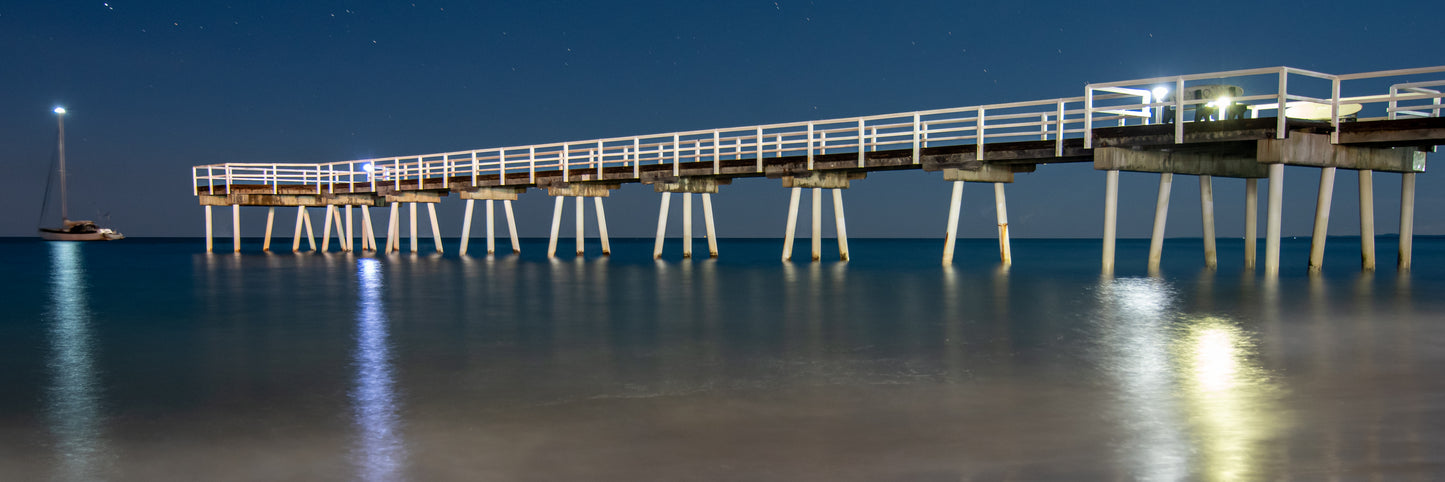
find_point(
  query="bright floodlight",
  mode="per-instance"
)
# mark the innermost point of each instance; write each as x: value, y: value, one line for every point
x: 59, y: 110
x: 1225, y: 102
x: 366, y: 167
x: 1160, y: 92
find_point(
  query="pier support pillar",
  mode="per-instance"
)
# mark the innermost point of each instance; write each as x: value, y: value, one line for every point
x: 1161, y: 217
x: 792, y: 223
x: 1272, y: 220
x: 661, y: 225
x: 436, y: 232
x: 840, y: 224
x: 1111, y: 217
x: 391, y: 230
x: 1367, y: 219
x: 602, y: 225
x: 270, y: 218
x: 1206, y: 209
x: 687, y: 225
x: 310, y: 233
x: 296, y: 238
x: 340, y: 233
x: 369, y: 231
x: 491, y: 227
x: 556, y: 225
x: 581, y: 229
x: 954, y: 203
x: 512, y: 227
x: 1000, y: 205
x: 350, y: 234
x: 1407, y: 220
x: 236, y: 226
x: 1322, y: 219
x: 326, y: 229
x: 817, y: 224
x: 707, y: 220
x: 412, y: 217
x: 1251, y: 222
x: 467, y: 227
x: 209, y: 233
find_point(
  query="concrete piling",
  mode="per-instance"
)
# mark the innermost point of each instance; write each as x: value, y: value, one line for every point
x: 1367, y: 220
x: 1161, y: 217
x: 1272, y: 220
x: 1322, y: 219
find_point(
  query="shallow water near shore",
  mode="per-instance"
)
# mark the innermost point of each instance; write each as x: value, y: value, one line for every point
x: 152, y: 360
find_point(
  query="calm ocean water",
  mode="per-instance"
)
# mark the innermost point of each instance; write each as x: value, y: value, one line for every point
x: 152, y: 360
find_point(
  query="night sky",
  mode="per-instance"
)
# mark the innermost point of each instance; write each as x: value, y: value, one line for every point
x: 156, y: 87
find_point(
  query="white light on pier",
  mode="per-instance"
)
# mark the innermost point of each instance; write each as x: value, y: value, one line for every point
x: 60, y: 110
x: 1160, y: 92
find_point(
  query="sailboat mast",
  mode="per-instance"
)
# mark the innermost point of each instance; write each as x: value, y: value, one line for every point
x: 64, y: 214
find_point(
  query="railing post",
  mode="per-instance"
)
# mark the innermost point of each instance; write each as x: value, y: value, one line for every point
x: 916, y: 121
x: 716, y: 152
x: 861, y: 143
x: 1059, y: 137
x: 810, y: 146
x: 531, y: 165
x: 760, y: 149
x: 1283, y: 95
x: 210, y: 181
x: 636, y: 157
x: 1179, y: 110
x: 599, y: 159
x: 474, y: 168
x: 228, y: 179
x: 1088, y: 117
x: 275, y: 181
x: 1335, y: 111
x: 565, y: 160
x: 980, y: 132
x: 676, y: 152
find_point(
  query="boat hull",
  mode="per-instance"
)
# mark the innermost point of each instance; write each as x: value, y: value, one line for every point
x: 52, y: 235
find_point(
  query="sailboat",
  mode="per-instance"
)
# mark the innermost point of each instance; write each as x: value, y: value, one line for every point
x: 73, y: 230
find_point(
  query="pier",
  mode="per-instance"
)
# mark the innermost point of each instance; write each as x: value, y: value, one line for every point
x: 1242, y: 124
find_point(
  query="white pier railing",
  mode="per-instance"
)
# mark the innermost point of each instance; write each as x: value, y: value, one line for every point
x: 1386, y: 94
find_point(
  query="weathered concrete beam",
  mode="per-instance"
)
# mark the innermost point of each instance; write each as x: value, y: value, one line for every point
x: 1315, y: 150
x: 492, y: 193
x: 707, y: 185
x: 414, y: 197
x: 986, y: 173
x: 593, y: 189
x: 1190, y: 163
x: 308, y: 200
x: 824, y: 179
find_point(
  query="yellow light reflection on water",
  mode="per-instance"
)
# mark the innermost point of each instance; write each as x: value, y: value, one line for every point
x: 1228, y: 399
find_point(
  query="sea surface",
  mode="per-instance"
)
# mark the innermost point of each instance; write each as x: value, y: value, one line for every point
x: 152, y: 360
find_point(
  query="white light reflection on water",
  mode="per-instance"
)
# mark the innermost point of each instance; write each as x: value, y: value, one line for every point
x: 1135, y: 337
x: 381, y: 452
x: 73, y: 404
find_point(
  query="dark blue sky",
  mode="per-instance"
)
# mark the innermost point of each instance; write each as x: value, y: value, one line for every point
x: 155, y: 88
